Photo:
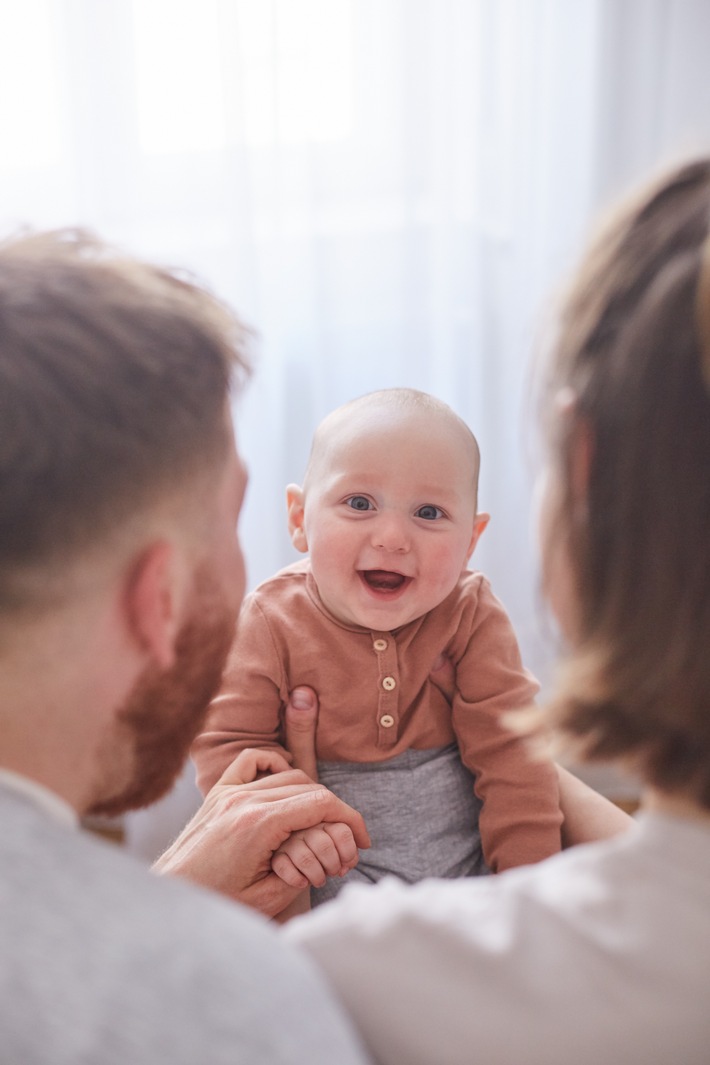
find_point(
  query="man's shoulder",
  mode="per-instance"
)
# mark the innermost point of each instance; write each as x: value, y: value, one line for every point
x: 90, y: 876
x: 191, y: 975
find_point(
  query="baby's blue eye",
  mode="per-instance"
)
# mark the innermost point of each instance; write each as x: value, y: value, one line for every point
x: 429, y: 512
x: 359, y: 503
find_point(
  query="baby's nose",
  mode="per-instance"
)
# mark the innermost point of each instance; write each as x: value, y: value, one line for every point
x: 391, y: 533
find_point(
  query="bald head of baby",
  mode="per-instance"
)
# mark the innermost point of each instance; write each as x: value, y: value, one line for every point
x: 401, y: 421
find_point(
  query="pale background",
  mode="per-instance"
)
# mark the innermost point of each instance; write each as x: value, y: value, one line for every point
x: 389, y: 191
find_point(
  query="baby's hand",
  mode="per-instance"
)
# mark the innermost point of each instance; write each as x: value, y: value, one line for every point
x: 313, y: 854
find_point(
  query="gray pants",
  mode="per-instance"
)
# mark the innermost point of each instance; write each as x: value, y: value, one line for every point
x: 421, y: 812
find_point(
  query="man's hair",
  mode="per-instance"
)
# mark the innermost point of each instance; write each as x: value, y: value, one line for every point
x: 114, y: 378
x: 632, y: 355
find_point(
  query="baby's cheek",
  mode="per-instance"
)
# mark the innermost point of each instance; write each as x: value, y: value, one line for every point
x: 445, y: 567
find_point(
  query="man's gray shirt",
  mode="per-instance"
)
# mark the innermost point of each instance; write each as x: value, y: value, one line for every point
x: 102, y: 962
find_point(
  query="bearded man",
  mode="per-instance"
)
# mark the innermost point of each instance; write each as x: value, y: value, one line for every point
x: 120, y: 580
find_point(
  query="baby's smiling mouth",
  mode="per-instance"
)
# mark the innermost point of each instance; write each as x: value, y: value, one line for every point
x: 384, y: 580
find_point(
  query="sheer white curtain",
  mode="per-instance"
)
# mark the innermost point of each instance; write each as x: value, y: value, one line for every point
x: 387, y: 190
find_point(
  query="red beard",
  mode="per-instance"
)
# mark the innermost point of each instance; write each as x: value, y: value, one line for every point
x: 166, y: 710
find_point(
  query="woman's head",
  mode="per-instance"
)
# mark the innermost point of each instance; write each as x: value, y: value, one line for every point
x: 628, y: 428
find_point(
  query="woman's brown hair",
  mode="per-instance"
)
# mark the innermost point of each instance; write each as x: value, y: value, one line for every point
x: 632, y: 352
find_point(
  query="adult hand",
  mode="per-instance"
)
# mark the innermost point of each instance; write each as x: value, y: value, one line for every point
x: 310, y: 856
x: 229, y: 844
x: 327, y: 850
x: 301, y: 717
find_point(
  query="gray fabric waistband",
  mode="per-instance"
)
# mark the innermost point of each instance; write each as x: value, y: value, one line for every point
x: 421, y: 812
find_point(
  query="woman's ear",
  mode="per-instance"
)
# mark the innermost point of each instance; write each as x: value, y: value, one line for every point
x: 295, y: 503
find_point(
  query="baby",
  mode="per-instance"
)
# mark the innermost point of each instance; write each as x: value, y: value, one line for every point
x: 388, y: 516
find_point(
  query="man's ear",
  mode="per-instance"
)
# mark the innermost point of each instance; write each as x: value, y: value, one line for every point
x: 479, y: 524
x: 295, y: 504
x: 153, y: 598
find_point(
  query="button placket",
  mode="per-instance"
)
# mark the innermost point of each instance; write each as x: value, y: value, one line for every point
x: 385, y: 648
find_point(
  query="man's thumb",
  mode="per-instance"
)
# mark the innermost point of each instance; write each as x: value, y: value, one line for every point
x: 301, y: 716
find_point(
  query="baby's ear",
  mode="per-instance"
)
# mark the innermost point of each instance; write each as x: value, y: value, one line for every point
x: 479, y: 524
x: 295, y: 504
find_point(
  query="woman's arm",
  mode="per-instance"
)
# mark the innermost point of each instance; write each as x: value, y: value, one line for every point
x: 588, y: 816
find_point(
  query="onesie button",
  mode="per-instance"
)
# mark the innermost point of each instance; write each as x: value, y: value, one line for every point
x: 389, y: 684
x: 380, y: 645
x: 387, y: 721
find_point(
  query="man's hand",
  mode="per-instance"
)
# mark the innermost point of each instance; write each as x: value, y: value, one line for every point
x: 229, y: 844
x: 309, y: 857
x: 301, y: 718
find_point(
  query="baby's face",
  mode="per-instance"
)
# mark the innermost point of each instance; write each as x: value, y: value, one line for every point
x: 390, y: 516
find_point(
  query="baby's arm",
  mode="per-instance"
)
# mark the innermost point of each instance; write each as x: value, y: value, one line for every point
x: 246, y: 713
x: 520, y: 821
